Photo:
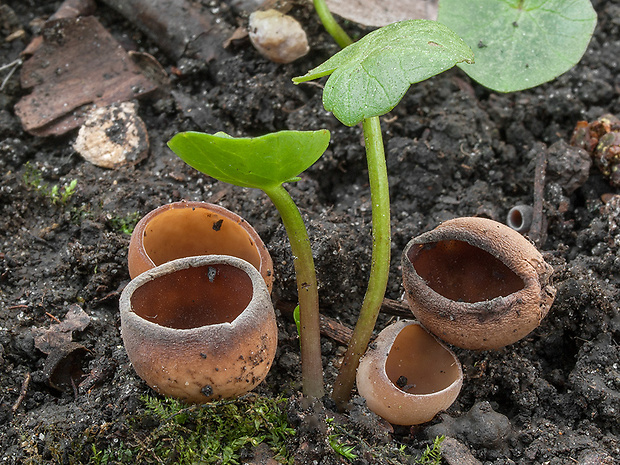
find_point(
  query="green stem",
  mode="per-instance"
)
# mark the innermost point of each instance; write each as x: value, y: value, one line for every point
x: 330, y: 24
x: 310, y: 336
x: 381, y: 243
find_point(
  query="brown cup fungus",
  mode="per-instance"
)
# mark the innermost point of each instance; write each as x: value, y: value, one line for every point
x: 186, y: 229
x: 199, y: 328
x: 476, y: 283
x: 408, y: 376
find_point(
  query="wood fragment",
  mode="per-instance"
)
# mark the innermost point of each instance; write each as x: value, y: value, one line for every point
x: 381, y: 13
x: 75, y: 8
x: 334, y: 329
x: 78, y: 66
x: 68, y: 9
x: 22, y: 392
x: 457, y: 453
x: 537, y: 231
x: 178, y: 27
x: 396, y: 308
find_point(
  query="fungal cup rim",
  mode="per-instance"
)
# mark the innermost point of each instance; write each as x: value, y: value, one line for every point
x: 257, y: 282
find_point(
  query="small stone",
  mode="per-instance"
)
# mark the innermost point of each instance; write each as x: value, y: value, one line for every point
x: 113, y: 136
x: 457, y: 453
x: 481, y: 426
x: 277, y: 36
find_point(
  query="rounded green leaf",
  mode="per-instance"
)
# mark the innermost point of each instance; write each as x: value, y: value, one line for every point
x: 520, y: 43
x: 261, y: 162
x: 370, y: 77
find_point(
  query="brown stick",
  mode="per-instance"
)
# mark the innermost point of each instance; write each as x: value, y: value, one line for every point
x: 176, y: 26
x: 22, y: 393
x: 537, y: 231
x: 335, y: 330
x: 396, y: 308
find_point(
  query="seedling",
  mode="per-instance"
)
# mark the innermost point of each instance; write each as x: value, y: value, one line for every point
x: 63, y: 194
x: 520, y: 43
x: 33, y: 178
x: 368, y: 79
x: 266, y: 163
x: 348, y: 452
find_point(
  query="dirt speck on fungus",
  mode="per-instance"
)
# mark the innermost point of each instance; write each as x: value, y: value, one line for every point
x: 453, y: 149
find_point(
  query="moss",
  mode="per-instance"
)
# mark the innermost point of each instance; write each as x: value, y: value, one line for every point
x: 124, y: 224
x: 219, y: 432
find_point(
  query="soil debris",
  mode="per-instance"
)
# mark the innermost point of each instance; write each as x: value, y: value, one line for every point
x: 60, y: 334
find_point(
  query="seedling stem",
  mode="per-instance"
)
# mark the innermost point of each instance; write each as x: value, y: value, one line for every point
x: 380, y: 265
x: 367, y: 80
x: 311, y: 369
x: 330, y: 24
x: 266, y: 163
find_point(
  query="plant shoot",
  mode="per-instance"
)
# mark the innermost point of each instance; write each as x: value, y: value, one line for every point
x: 266, y: 163
x: 366, y: 80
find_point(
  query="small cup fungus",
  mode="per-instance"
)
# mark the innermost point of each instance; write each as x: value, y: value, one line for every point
x: 185, y: 229
x: 199, y: 328
x: 519, y: 218
x: 476, y: 283
x: 408, y: 376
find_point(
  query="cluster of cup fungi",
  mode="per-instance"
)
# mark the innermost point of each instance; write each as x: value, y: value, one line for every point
x: 198, y: 323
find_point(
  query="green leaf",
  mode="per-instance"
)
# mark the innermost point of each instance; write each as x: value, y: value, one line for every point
x: 370, y: 77
x: 260, y: 162
x: 520, y: 43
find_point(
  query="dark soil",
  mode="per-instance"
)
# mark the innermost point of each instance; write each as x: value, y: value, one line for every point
x: 453, y: 149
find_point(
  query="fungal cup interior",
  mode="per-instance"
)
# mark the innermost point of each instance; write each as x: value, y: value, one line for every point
x: 462, y: 272
x: 194, y: 297
x: 418, y: 364
x: 187, y: 232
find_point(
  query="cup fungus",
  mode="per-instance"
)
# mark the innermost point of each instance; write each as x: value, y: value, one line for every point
x: 408, y: 376
x: 476, y: 283
x: 185, y: 229
x: 199, y: 328
x: 520, y: 217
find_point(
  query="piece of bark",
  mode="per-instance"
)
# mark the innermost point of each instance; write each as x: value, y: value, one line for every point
x: 68, y: 9
x: 335, y: 330
x: 78, y: 66
x: 178, y: 27
x: 329, y: 327
x: 396, y: 308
